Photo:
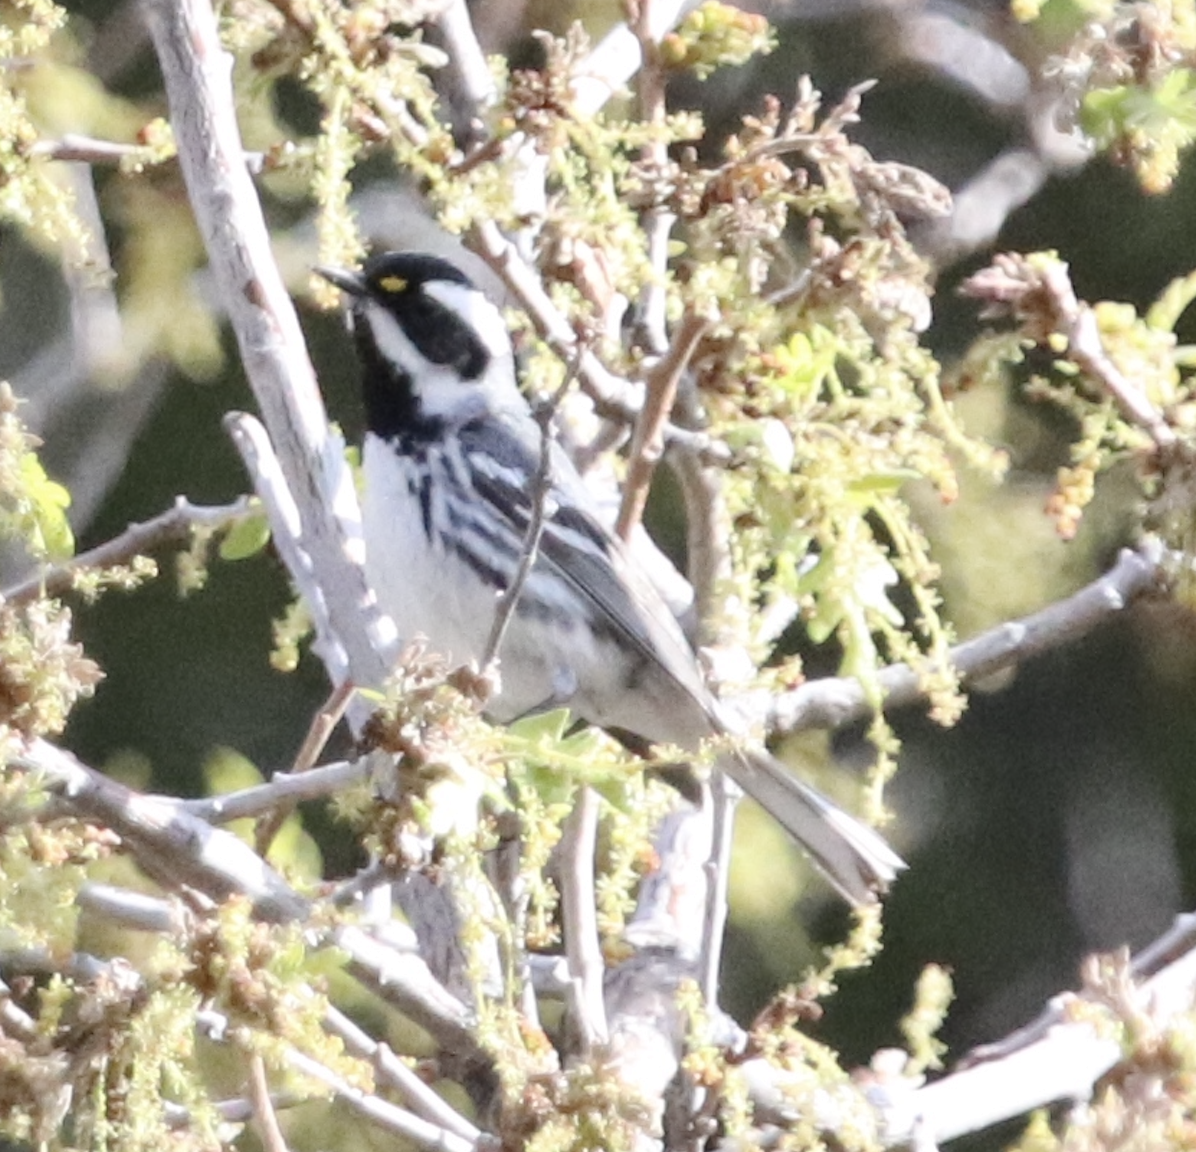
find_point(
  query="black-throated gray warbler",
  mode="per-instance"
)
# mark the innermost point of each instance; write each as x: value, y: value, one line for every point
x: 450, y: 455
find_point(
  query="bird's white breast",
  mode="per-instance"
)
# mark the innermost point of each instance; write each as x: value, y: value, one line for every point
x: 425, y: 591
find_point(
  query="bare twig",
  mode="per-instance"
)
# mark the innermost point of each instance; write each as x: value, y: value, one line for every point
x: 1062, y: 1054
x: 724, y: 794
x: 647, y: 443
x: 265, y: 470
x: 14, y: 1020
x: 541, y: 487
x: 216, y: 1027
x: 282, y: 788
x: 178, y: 850
x: 397, y: 1120
x: 403, y: 979
x: 235, y: 1110
x: 266, y: 1121
x: 171, y: 528
x: 707, y: 545
x: 617, y: 57
x: 670, y: 908
x: 89, y: 150
x: 318, y: 733
x: 834, y: 701
x: 130, y: 909
x: 1040, y: 294
x: 390, y: 1069
x: 468, y: 59
x: 586, y: 966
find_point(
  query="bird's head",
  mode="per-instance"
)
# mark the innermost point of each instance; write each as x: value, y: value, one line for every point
x: 434, y: 350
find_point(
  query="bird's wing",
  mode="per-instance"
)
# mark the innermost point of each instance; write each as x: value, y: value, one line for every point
x: 576, y: 547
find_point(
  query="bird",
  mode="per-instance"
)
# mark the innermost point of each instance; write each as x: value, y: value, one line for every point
x: 450, y: 457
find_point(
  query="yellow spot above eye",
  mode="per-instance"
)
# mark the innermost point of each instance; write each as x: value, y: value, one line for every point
x: 393, y: 284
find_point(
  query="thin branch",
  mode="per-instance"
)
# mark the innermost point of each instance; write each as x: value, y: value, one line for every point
x: 469, y: 61
x: 172, y: 528
x: 647, y: 443
x: 89, y: 150
x: 129, y: 909
x: 724, y: 795
x: 282, y: 788
x: 541, y: 486
x: 318, y: 733
x: 257, y: 453
x: 1041, y: 295
x: 14, y: 1020
x: 670, y: 908
x: 403, y: 979
x: 834, y: 701
x: 178, y: 850
x: 235, y: 1110
x: 397, y: 1120
x: 708, y: 549
x: 1062, y: 1054
x: 617, y: 57
x: 586, y: 966
x: 391, y: 1070
x: 266, y: 1120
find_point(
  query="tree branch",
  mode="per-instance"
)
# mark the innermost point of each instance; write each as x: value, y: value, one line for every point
x: 586, y: 966
x: 282, y: 788
x: 171, y: 528
x: 647, y: 442
x: 836, y: 700
x: 391, y: 1070
x: 197, y: 73
x: 172, y: 846
x: 1060, y: 1056
x: 268, y: 1129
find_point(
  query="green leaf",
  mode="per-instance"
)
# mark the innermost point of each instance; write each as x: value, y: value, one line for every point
x: 542, y: 726
x: 48, y: 501
x: 246, y: 538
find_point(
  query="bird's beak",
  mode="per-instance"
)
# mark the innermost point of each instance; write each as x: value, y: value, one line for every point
x: 348, y: 282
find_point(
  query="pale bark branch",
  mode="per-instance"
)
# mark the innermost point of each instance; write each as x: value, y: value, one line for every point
x: 837, y: 700
x: 197, y: 74
x: 173, y: 847
x: 1062, y: 1055
x: 392, y: 1070
x: 172, y: 528
x: 386, y: 1115
x: 184, y: 853
x: 586, y: 966
x: 613, y: 397
x: 269, y: 1131
x: 282, y: 788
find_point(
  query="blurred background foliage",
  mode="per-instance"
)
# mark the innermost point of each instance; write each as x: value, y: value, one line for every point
x: 1059, y: 816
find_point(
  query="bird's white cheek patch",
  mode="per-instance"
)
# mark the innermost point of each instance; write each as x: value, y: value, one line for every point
x: 437, y: 388
x: 473, y: 307
x: 392, y: 341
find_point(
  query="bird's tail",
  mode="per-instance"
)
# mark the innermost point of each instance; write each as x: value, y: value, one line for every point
x: 852, y: 856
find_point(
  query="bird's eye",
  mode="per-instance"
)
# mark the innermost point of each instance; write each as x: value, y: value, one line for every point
x: 393, y: 284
